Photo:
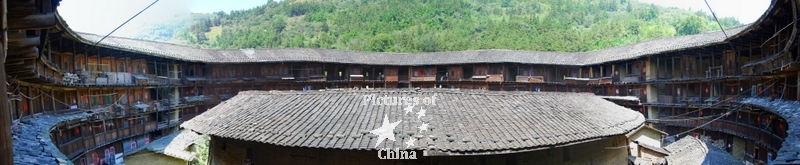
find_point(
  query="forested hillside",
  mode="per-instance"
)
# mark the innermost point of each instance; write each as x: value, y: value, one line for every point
x: 445, y: 25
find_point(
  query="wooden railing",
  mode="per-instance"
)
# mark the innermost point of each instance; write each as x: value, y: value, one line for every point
x: 494, y: 77
x: 665, y: 99
x: 72, y: 148
x: 631, y: 79
x: 741, y: 129
x: 75, y: 147
x: 423, y: 78
x: 533, y: 79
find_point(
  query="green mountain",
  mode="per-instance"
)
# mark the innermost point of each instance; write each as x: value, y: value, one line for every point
x: 445, y: 25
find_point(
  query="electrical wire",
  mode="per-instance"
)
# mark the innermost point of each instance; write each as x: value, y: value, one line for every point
x: 123, y: 24
x: 720, y: 25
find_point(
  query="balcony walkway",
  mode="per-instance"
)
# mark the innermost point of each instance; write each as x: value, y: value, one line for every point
x: 790, y: 149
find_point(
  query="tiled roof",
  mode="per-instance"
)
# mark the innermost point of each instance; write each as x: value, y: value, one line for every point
x: 460, y: 122
x: 187, y: 53
x: 32, y: 142
x: 176, y: 144
x: 691, y: 151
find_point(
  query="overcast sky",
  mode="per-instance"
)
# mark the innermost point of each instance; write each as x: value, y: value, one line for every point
x: 102, y: 16
x: 747, y: 11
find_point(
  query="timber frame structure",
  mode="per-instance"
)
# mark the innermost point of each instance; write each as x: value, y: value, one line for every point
x: 736, y: 85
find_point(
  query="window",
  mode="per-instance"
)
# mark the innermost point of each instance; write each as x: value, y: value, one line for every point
x: 391, y: 72
x: 496, y: 69
x: 355, y: 71
x: 755, y: 152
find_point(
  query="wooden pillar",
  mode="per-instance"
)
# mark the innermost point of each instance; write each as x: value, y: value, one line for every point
x: 18, y: 102
x: 111, y: 66
x: 74, y: 59
x: 41, y: 97
x: 6, y: 150
x: 86, y: 59
x: 30, y: 101
x: 53, y: 100
x: 125, y: 65
x: 672, y: 70
x: 658, y: 67
x: 99, y: 65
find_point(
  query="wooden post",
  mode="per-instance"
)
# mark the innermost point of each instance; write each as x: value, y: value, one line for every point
x: 125, y: 65
x: 30, y: 101
x: 658, y: 67
x: 41, y: 98
x: 74, y: 59
x: 672, y: 70
x: 6, y: 150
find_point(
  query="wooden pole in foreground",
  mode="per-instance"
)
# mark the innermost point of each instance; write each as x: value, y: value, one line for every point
x: 6, y: 149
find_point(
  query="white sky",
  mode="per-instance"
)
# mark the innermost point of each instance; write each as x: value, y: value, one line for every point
x: 746, y: 11
x: 102, y: 16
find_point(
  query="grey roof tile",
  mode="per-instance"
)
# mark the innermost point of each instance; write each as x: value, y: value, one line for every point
x: 176, y: 144
x: 462, y: 121
x: 688, y: 149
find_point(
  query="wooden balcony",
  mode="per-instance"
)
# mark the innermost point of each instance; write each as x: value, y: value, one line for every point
x: 530, y: 79
x: 72, y: 148
x: 666, y: 99
x: 356, y: 77
x: 576, y: 81
x: 151, y: 126
x: 631, y: 79
x: 423, y: 78
x: 494, y: 78
x: 391, y: 78
x: 756, y: 134
x: 587, y: 81
x: 123, y: 132
x: 317, y: 78
x: 75, y: 147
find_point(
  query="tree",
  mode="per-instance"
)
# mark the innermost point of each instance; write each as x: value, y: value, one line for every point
x: 651, y: 13
x: 380, y: 43
x: 201, y: 150
x: 690, y: 25
x: 444, y: 25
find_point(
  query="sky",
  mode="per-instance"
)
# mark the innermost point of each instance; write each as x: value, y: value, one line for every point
x: 102, y: 16
x: 746, y: 11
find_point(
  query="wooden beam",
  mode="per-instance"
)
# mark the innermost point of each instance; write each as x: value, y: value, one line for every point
x: 25, y: 42
x: 31, y: 49
x: 30, y: 22
x: 21, y: 11
x: 20, y: 2
x: 17, y: 35
x: 7, y: 156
